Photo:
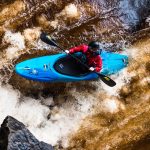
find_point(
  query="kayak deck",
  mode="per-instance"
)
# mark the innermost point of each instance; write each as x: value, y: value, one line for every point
x: 69, y: 66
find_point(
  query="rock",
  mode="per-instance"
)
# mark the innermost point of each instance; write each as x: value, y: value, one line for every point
x: 15, y: 136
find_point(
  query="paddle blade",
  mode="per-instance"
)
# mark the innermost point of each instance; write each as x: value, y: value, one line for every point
x: 47, y: 39
x: 107, y: 80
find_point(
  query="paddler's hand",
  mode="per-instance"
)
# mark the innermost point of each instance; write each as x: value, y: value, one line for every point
x: 67, y: 51
x: 91, y: 68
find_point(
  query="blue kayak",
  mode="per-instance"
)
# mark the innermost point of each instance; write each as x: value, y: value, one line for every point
x: 64, y: 68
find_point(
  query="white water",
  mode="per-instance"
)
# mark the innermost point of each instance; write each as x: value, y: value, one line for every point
x: 16, y: 41
x: 65, y: 120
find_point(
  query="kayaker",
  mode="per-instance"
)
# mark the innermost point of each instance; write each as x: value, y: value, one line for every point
x: 91, y: 52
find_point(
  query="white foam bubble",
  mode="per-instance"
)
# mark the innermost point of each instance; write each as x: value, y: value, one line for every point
x: 16, y: 41
x: 121, y: 78
x: 71, y: 10
x: 111, y: 105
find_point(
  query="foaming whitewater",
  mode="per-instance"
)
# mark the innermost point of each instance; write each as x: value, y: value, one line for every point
x: 33, y: 114
x: 120, y: 117
x: 73, y: 22
x: 121, y: 78
x: 15, y: 46
x: 63, y: 120
x: 17, y: 43
x: 58, y: 124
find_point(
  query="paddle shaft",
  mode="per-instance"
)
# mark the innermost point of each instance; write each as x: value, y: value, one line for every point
x: 104, y: 78
x: 44, y: 37
x: 75, y: 58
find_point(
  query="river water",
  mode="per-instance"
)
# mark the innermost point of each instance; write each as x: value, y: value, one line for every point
x: 83, y: 115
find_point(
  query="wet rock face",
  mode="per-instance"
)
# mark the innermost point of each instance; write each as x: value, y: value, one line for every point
x: 133, y: 12
x: 15, y: 136
x: 130, y: 12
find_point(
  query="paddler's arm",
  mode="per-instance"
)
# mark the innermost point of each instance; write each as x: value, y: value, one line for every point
x: 82, y: 48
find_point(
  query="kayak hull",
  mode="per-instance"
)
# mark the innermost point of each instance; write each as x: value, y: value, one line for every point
x: 42, y: 68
